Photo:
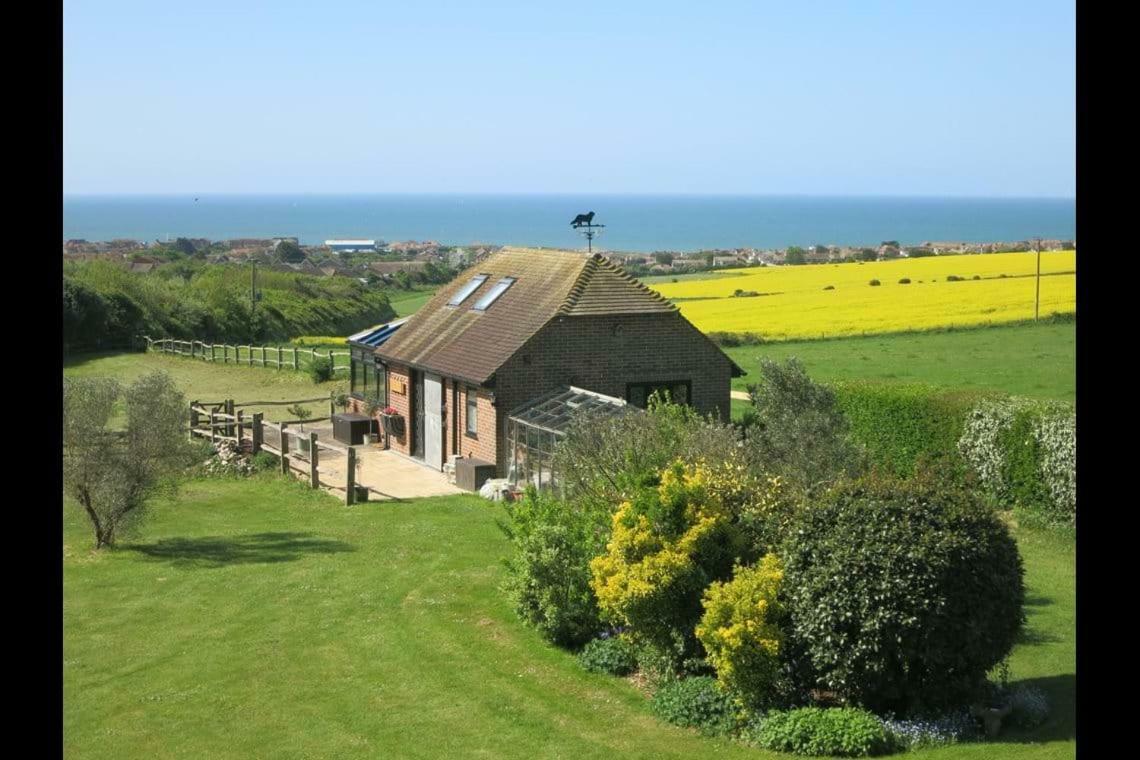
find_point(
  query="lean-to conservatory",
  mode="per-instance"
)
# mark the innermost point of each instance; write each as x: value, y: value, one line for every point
x: 534, y: 429
x: 368, y: 380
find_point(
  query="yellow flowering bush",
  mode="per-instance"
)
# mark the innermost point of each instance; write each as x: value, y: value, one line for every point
x: 741, y: 634
x: 669, y: 542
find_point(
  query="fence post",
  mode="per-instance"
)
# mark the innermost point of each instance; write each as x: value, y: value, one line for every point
x: 284, y: 450
x: 213, y: 434
x: 332, y: 405
x: 314, y: 476
x: 239, y: 416
x: 294, y: 358
x: 250, y: 347
x: 193, y: 418
x: 350, y: 478
x: 228, y: 426
x: 256, y: 433
x: 279, y: 362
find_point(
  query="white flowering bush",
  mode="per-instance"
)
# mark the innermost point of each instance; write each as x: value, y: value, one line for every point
x: 1024, y: 454
x: 922, y: 733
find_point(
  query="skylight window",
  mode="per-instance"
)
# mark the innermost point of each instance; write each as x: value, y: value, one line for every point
x: 493, y: 294
x: 465, y: 292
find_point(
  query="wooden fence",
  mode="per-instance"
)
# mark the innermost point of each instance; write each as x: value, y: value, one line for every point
x: 283, y: 357
x: 298, y: 452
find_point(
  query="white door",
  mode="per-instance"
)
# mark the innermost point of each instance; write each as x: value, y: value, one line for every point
x: 433, y: 421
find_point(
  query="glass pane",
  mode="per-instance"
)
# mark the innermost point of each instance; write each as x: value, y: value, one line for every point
x: 500, y: 287
x: 465, y: 292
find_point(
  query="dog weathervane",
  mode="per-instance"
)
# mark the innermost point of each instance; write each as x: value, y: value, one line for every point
x: 584, y: 223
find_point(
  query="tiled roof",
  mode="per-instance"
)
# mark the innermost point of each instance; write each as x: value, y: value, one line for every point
x: 470, y: 345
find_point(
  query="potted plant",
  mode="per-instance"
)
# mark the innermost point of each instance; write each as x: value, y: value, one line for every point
x: 301, y: 414
x: 374, y: 409
x: 393, y: 422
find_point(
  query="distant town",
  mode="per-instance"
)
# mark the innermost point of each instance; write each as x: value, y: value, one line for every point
x: 379, y: 262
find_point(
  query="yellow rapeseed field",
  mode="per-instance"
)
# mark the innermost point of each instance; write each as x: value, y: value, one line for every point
x: 795, y: 304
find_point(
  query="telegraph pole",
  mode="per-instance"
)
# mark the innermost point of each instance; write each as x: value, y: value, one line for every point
x: 1037, y: 298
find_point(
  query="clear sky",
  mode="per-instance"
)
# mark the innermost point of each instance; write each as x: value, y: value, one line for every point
x: 820, y: 98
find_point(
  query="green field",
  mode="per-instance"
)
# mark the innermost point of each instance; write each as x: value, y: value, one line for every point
x: 1026, y: 360
x: 211, y: 382
x: 409, y: 303
x: 258, y: 618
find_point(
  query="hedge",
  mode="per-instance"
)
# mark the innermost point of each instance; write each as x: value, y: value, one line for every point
x: 899, y: 424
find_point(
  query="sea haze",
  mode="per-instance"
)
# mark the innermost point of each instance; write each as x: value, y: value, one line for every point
x: 633, y: 223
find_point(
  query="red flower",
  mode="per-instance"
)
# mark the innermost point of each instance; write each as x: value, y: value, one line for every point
x: 390, y: 410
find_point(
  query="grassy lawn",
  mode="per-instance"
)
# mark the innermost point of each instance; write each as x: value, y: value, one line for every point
x: 1026, y: 360
x: 208, y: 381
x: 259, y: 618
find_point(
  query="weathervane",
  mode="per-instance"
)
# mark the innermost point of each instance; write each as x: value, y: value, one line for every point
x: 584, y: 223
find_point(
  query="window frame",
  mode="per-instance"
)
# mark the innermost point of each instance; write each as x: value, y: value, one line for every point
x: 652, y: 385
x: 471, y: 404
x: 496, y: 292
x: 468, y: 290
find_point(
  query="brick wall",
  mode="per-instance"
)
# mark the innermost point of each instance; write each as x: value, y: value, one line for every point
x: 604, y: 353
x: 484, y: 444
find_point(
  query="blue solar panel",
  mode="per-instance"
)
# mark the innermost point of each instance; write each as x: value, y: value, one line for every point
x: 375, y: 336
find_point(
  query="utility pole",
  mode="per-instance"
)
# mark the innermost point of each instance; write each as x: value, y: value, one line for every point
x: 252, y: 300
x: 1037, y: 298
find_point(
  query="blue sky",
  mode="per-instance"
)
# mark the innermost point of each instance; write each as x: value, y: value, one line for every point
x: 818, y: 98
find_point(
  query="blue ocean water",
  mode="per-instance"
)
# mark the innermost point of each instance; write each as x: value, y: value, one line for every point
x: 633, y: 223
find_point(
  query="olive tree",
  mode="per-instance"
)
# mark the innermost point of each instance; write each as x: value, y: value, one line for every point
x: 111, y: 472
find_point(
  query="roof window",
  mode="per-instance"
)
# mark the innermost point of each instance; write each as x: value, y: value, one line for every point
x: 465, y: 292
x: 493, y: 294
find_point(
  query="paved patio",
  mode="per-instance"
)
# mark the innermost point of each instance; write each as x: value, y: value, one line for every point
x: 387, y: 475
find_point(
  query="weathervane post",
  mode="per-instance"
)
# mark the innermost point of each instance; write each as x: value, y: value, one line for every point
x: 584, y: 223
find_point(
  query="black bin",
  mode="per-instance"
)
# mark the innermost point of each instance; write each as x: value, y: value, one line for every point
x: 351, y: 429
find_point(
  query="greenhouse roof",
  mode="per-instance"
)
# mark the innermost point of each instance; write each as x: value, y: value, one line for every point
x: 374, y: 336
x: 554, y: 411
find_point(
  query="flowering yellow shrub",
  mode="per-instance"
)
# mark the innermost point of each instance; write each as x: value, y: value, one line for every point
x: 740, y: 631
x: 668, y: 544
x: 827, y: 300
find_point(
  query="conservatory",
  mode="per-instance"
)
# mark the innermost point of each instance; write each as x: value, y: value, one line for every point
x: 534, y: 429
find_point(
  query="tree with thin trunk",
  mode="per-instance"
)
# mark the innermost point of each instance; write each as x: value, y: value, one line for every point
x: 112, y: 472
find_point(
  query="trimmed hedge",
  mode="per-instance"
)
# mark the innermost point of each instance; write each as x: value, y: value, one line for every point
x: 900, y: 424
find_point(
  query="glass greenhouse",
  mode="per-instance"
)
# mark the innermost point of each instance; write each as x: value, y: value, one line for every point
x: 535, y: 428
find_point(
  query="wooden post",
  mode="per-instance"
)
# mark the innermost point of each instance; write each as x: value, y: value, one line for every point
x: 257, y: 433
x: 332, y: 405
x: 350, y: 478
x: 284, y: 450
x: 212, y: 429
x: 250, y: 347
x: 239, y: 416
x: 314, y: 476
x: 193, y: 419
x: 279, y: 352
x: 229, y: 421
x: 294, y: 357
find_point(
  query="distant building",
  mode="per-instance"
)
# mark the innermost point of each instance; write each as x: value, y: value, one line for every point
x: 348, y: 246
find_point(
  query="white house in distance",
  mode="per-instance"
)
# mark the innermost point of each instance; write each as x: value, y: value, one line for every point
x: 348, y: 246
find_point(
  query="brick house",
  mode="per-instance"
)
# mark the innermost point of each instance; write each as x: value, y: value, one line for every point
x: 518, y: 325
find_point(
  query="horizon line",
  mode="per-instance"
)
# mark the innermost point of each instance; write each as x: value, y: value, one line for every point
x: 513, y: 194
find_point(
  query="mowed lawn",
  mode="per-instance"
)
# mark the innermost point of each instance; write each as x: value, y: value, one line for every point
x: 1026, y: 360
x: 261, y: 619
x: 212, y: 382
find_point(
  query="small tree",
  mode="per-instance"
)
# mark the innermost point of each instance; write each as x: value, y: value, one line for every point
x: 796, y: 255
x: 301, y: 413
x: 111, y: 473
x: 290, y: 252
x: 801, y: 434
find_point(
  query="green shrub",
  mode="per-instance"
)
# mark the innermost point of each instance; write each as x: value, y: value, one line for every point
x: 976, y: 277
x: 733, y: 339
x: 904, y: 281
x: 816, y: 731
x: 902, y: 594
x: 802, y: 434
x: 264, y: 461
x: 615, y: 656
x: 829, y: 287
x: 953, y: 278
x: 695, y: 702
x: 741, y: 632
x: 548, y: 571
x: 899, y: 424
x: 875, y: 283
x: 321, y: 369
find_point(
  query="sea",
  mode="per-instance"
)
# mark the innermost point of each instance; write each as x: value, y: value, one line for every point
x: 637, y: 223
